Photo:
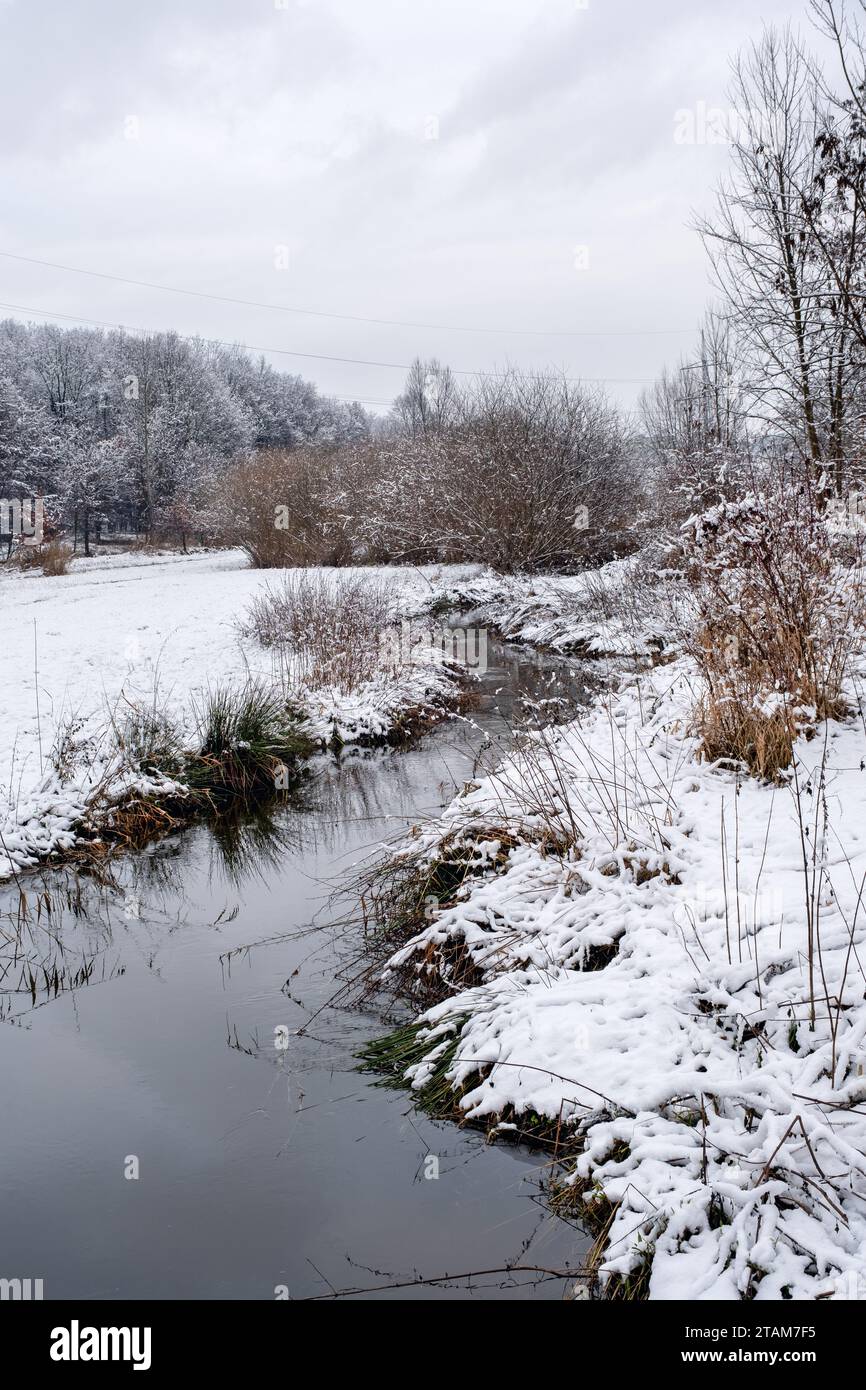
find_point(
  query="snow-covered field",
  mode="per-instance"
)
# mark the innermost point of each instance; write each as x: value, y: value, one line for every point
x: 710, y: 1060
x: 114, y: 631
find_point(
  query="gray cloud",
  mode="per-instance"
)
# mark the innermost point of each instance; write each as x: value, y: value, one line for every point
x: 184, y: 143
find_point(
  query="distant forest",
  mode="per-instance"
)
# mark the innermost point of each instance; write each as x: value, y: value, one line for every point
x: 131, y: 433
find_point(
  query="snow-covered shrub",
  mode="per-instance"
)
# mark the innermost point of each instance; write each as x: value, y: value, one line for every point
x: 287, y: 508
x: 777, y: 616
x: 534, y: 474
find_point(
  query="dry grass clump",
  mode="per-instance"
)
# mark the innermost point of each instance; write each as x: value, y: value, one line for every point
x: 52, y: 557
x: 55, y: 558
x: 777, y: 620
x: 326, y: 629
x: 247, y: 737
x: 739, y: 723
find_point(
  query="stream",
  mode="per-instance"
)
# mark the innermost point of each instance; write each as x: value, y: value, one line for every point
x: 166, y: 1133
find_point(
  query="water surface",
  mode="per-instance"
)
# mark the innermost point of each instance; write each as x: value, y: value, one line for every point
x: 155, y: 1044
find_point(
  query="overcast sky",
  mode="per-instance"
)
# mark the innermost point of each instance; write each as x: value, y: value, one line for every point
x: 442, y: 162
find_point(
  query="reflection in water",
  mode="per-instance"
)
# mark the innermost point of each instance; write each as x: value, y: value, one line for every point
x: 191, y: 1024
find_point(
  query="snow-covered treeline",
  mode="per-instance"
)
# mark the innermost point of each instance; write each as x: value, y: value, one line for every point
x: 132, y: 431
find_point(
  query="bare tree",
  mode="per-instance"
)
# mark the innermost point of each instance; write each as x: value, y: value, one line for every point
x: 764, y: 251
x: 429, y: 401
x: 695, y: 421
x: 536, y: 473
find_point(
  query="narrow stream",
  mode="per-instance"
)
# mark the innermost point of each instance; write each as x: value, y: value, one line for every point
x: 152, y: 1051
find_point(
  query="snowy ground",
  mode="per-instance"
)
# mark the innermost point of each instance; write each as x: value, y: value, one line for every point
x: 724, y: 1125
x: 114, y: 630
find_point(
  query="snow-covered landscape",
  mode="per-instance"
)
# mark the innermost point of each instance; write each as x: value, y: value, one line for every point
x: 168, y: 634
x: 635, y: 929
x: 433, y: 681
x: 656, y: 957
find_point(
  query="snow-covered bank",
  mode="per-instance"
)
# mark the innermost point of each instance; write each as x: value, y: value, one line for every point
x: 663, y: 959
x: 593, y: 614
x: 135, y: 630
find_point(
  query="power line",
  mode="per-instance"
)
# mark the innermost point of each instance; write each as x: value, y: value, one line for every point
x: 351, y: 318
x: 362, y: 400
x: 314, y: 356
